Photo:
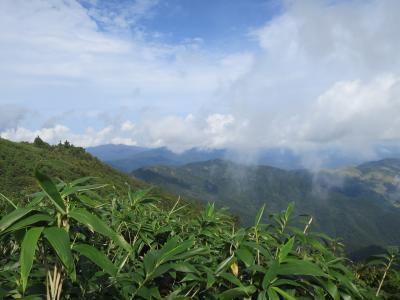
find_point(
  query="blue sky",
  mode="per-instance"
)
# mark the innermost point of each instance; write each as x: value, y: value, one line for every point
x: 307, y: 75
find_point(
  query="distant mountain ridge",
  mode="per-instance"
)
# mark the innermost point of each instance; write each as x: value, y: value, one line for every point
x: 359, y: 204
x: 128, y: 158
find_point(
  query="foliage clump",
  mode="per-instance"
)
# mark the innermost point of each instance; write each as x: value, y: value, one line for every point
x: 68, y: 243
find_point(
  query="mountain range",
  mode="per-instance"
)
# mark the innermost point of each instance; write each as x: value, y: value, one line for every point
x: 357, y: 204
x: 128, y: 158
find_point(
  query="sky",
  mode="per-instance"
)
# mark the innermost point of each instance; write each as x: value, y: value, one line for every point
x: 308, y: 75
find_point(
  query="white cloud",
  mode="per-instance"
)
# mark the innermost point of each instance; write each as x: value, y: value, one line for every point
x: 54, y: 56
x: 178, y: 133
x: 127, y: 126
x: 325, y: 75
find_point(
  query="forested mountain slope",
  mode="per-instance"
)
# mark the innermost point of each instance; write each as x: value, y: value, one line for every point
x: 358, y: 204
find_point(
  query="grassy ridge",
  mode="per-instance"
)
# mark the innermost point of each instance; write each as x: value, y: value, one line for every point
x: 63, y: 161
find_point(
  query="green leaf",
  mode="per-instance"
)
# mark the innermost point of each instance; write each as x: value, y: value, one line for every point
x: 29, y: 221
x: 193, y: 252
x: 173, y: 247
x: 272, y: 295
x: 94, y: 223
x: 224, y: 264
x: 245, y: 256
x: 50, y: 189
x: 270, y: 275
x: 8, y: 200
x: 28, y: 248
x: 289, y: 210
x: 13, y: 217
x: 332, y: 290
x: 97, y: 257
x: 149, y: 262
x: 76, y: 189
x: 237, y: 292
x: 231, y: 278
x: 285, y: 249
x: 300, y: 267
x: 283, y: 293
x: 259, y: 215
x: 88, y: 201
x: 81, y: 180
x: 184, y: 267
x: 262, y: 296
x: 59, y: 240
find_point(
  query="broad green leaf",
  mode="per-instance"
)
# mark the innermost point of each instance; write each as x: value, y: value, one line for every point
x: 81, y: 180
x: 237, y: 292
x: 231, y: 278
x: 28, y: 248
x: 245, y: 256
x: 76, y: 189
x: 270, y: 275
x: 283, y: 293
x: 194, y: 252
x: 94, y: 223
x: 96, y: 256
x: 13, y: 217
x: 173, y: 247
x: 262, y: 295
x: 149, y: 262
x: 29, y: 221
x: 160, y: 270
x: 286, y: 282
x: 50, y: 189
x: 184, y: 267
x: 149, y: 293
x: 300, y: 267
x: 31, y: 297
x: 285, y: 249
x: 272, y: 295
x: 332, y: 290
x: 88, y: 201
x: 210, y: 279
x: 59, y: 240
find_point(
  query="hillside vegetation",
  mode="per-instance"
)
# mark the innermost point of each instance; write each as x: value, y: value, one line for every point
x: 64, y: 244
x: 63, y: 161
x: 358, y: 205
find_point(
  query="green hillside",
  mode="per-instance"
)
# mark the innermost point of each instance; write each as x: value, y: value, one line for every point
x: 354, y: 204
x: 64, y: 161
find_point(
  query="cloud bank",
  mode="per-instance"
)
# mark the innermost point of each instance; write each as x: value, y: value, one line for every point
x: 324, y: 76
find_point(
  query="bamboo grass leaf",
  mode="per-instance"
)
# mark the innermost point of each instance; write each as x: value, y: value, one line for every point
x: 28, y: 248
x: 285, y: 249
x: 95, y: 224
x: 30, y: 220
x: 13, y: 217
x: 50, y: 189
x: 97, y: 257
x: 59, y: 240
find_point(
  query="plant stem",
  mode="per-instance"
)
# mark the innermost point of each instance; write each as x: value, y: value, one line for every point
x: 384, y: 275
